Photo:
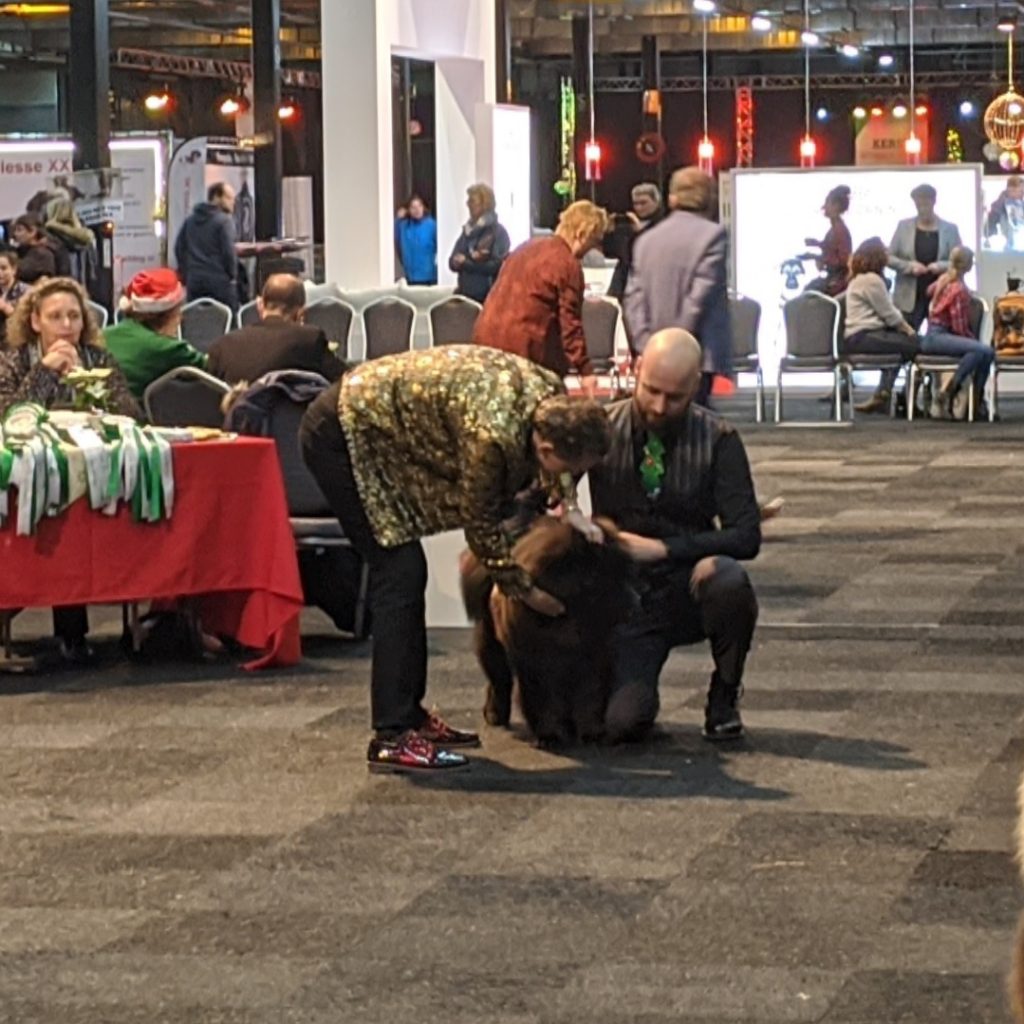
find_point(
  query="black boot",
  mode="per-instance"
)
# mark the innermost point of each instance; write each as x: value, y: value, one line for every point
x: 722, y: 719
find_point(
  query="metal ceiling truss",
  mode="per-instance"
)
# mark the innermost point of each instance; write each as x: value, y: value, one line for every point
x: 881, y: 83
x: 205, y: 67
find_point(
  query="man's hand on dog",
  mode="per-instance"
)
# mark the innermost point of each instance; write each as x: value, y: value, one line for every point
x: 585, y: 525
x: 642, y: 549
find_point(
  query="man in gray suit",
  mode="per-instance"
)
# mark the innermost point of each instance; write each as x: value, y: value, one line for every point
x: 678, y: 277
x: 919, y: 253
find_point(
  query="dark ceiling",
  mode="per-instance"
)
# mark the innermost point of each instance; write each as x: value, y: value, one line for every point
x: 539, y: 28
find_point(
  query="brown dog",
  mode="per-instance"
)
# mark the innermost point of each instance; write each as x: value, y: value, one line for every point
x: 562, y: 665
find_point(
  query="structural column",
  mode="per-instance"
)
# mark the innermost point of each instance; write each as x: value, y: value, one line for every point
x: 502, y: 52
x: 266, y: 68
x: 89, y: 115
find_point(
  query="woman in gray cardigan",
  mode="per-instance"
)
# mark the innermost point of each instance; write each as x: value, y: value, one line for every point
x: 873, y: 324
x: 919, y: 253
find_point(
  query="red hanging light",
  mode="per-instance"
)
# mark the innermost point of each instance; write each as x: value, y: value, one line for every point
x: 808, y: 151
x: 706, y: 155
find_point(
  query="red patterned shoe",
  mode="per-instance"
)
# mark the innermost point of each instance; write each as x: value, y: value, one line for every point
x: 410, y: 752
x: 437, y: 730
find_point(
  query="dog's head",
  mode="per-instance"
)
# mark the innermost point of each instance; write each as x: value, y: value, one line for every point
x: 571, y: 568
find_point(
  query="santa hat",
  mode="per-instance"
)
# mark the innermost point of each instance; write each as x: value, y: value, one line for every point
x: 152, y: 291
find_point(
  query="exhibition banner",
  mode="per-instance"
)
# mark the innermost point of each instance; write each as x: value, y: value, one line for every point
x: 28, y: 167
x: 881, y: 139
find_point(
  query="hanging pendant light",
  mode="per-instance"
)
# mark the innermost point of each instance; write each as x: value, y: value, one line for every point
x: 592, y: 150
x: 1004, y: 118
x: 705, y: 148
x: 912, y: 146
x: 808, y: 147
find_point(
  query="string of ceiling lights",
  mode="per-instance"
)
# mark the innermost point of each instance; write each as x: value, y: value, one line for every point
x: 1004, y: 117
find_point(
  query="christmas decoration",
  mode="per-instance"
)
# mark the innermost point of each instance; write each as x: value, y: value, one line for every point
x: 954, y: 147
x: 1004, y: 118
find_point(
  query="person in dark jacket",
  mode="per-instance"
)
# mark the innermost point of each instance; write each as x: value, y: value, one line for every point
x: 65, y: 228
x: 37, y: 252
x: 677, y: 483
x: 646, y: 212
x: 280, y: 341
x: 416, y: 240
x: 205, y: 248
x: 481, y: 248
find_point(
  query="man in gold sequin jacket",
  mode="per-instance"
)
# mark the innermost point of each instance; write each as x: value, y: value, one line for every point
x: 422, y: 442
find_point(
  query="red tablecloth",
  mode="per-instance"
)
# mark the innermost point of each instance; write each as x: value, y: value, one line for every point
x: 228, y: 544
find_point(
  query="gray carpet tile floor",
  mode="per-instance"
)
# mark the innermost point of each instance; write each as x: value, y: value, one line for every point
x: 185, y: 842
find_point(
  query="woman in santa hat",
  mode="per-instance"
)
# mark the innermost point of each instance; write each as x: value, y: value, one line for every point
x: 146, y: 342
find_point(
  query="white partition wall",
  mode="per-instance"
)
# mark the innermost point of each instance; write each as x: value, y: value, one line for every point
x: 359, y: 39
x: 503, y: 160
x: 774, y: 212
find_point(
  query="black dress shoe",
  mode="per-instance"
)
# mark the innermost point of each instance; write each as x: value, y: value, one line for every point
x: 410, y: 752
x: 77, y: 653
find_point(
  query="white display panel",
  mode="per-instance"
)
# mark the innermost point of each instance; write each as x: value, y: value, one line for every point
x: 774, y: 211
x: 503, y: 160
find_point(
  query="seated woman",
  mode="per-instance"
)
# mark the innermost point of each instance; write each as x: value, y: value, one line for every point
x: 950, y: 334
x: 146, y: 343
x: 874, y: 326
x: 51, y: 332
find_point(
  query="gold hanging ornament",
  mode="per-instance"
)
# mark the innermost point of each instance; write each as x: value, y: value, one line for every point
x: 1004, y: 118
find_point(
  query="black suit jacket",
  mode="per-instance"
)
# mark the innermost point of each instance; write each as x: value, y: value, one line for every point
x: 273, y: 344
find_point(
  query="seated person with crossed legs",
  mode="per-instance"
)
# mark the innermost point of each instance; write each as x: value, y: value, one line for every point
x: 673, y: 469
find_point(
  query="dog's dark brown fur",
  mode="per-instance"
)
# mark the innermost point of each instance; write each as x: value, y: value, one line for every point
x: 562, y: 665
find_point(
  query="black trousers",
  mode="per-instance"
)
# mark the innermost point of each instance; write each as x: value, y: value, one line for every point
x: 723, y: 611
x: 398, y: 577
x: 886, y: 341
x: 70, y: 623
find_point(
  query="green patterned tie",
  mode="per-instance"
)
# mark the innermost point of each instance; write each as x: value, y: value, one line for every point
x: 652, y: 465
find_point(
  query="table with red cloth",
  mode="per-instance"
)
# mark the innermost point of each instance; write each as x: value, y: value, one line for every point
x: 228, y: 547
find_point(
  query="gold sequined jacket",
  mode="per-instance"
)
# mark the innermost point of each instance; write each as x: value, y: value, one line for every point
x: 442, y: 439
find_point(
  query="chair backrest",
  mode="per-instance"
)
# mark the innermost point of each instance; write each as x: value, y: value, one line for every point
x: 335, y: 319
x: 305, y: 498
x: 387, y: 327
x: 185, y: 397
x: 249, y: 314
x: 452, y: 320
x: 812, y: 326
x: 976, y: 316
x: 203, y: 321
x: 745, y: 316
x: 600, y: 323
x: 101, y: 313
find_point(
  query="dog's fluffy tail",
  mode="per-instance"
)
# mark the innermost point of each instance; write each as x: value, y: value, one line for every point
x: 476, y: 586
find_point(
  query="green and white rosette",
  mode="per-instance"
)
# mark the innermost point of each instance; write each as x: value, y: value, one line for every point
x: 123, y: 462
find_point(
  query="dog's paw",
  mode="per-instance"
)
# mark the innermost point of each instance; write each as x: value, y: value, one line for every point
x: 497, y: 718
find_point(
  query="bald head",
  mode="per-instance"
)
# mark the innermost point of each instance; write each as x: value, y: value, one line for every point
x: 668, y: 377
x: 283, y: 295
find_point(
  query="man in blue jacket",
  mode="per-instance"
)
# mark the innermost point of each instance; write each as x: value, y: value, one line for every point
x: 205, y: 248
x: 416, y: 239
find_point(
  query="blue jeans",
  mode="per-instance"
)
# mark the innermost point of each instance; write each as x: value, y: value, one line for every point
x: 976, y: 358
